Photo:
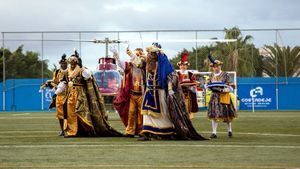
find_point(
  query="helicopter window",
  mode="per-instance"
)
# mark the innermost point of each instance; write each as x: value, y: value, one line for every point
x: 107, y: 79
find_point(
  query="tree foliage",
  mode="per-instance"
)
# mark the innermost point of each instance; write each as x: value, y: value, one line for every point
x: 287, y: 60
x: 20, y: 64
x: 240, y: 56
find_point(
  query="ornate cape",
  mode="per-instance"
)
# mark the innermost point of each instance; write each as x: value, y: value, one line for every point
x: 178, y: 113
x: 121, y: 102
x: 92, y: 119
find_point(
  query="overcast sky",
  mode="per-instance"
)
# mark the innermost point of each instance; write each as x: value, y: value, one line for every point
x: 78, y: 15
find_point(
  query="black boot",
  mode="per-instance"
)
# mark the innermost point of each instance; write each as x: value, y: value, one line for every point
x: 213, y: 135
x: 61, y: 123
x: 144, y: 137
x: 230, y: 134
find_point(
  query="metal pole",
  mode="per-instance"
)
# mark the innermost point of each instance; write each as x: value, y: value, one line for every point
x: 118, y: 34
x: 156, y: 35
x: 196, y: 51
x: 80, y: 44
x: 276, y: 72
x: 42, y: 69
x: 253, y: 106
x: 235, y: 90
x: 106, y: 47
x: 237, y: 55
x: 3, y: 71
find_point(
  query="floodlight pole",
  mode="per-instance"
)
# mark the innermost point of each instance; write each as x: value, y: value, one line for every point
x: 3, y: 71
x: 42, y: 68
x: 235, y: 90
x: 106, y: 47
x: 79, y: 34
x: 196, y: 51
x: 277, y: 90
x: 118, y: 35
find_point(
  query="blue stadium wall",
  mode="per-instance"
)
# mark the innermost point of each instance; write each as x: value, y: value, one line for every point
x: 253, y: 93
x: 283, y: 96
x: 24, y: 95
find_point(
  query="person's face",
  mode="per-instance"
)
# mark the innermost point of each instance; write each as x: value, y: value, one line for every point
x: 183, y: 67
x: 138, y: 52
x: 63, y: 65
x: 148, y: 55
x: 73, y: 63
x: 216, y: 68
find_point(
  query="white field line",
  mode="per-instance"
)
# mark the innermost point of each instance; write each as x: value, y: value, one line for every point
x: 247, y: 165
x: 21, y: 114
x: 239, y: 133
x: 148, y: 145
x: 261, y: 134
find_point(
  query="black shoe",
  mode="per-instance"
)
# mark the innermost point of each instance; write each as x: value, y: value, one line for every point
x: 144, y: 138
x: 61, y: 133
x: 213, y: 135
x: 129, y: 135
x: 230, y: 134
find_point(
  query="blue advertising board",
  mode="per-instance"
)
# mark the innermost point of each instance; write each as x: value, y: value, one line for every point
x: 257, y: 93
x: 24, y: 95
x: 259, y: 97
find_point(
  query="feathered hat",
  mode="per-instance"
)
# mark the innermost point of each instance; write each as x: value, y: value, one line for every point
x: 76, y: 58
x: 184, y: 57
x: 63, y: 59
x: 213, y: 61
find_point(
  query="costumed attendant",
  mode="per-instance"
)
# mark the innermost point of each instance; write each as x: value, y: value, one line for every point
x: 221, y: 107
x: 164, y: 112
x: 128, y: 102
x: 85, y: 108
x: 58, y: 100
x: 188, y: 84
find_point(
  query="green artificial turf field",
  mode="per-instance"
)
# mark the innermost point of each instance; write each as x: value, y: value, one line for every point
x: 260, y: 140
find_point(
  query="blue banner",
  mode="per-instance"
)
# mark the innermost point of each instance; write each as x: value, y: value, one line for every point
x: 259, y: 97
x: 48, y: 93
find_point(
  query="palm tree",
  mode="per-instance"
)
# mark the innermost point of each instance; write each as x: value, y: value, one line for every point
x: 240, y: 56
x: 285, y: 59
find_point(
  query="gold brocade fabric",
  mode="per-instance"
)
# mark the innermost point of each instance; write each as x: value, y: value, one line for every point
x: 135, y: 118
x: 61, y: 98
x: 97, y: 112
x: 225, y: 98
x: 86, y: 112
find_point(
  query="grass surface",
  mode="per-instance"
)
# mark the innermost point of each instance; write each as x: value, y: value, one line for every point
x: 261, y: 140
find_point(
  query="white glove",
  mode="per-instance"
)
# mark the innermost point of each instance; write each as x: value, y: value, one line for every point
x: 171, y: 92
x: 113, y: 49
x: 60, y: 88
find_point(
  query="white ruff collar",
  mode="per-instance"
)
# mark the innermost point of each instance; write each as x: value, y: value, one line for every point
x: 217, y: 74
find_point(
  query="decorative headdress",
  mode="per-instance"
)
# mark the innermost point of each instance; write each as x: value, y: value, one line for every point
x: 74, y: 56
x: 213, y: 61
x: 63, y: 59
x: 155, y: 47
x: 184, y: 57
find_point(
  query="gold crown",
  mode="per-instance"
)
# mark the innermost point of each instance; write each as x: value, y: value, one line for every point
x: 153, y: 48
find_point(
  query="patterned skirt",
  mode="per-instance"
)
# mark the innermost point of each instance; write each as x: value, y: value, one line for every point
x: 219, y: 111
